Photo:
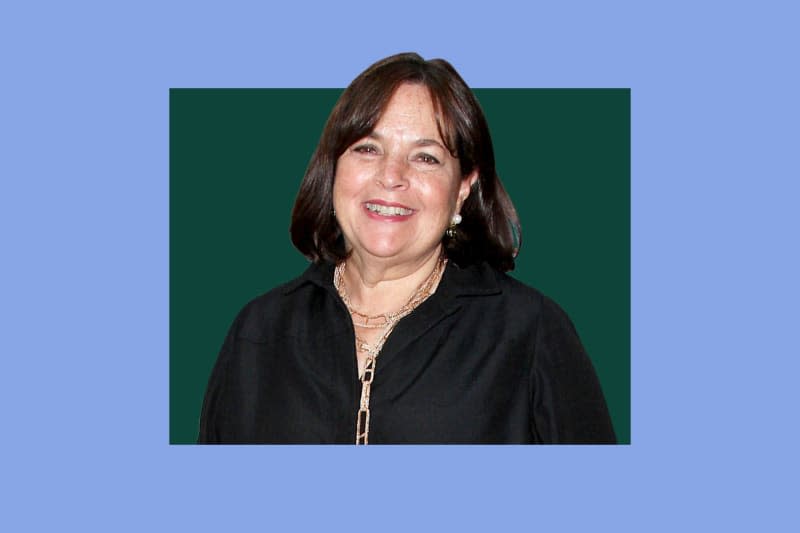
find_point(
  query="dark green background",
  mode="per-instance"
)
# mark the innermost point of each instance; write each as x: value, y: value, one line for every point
x: 236, y: 160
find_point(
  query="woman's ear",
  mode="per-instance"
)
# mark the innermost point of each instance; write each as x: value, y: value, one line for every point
x: 465, y: 188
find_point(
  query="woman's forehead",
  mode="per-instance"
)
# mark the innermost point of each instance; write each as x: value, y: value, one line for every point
x: 409, y: 107
x: 414, y: 106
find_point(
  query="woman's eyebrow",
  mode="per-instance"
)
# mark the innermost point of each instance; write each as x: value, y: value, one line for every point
x: 418, y: 142
x: 429, y: 142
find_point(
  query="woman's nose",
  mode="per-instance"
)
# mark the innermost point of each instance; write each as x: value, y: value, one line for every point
x: 393, y: 175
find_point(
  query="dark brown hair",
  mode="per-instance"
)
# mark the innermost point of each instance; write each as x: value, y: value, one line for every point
x: 489, y: 231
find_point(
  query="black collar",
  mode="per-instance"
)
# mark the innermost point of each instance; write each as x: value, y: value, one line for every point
x: 473, y: 280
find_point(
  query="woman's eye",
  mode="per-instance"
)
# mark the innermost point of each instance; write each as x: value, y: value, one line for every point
x: 365, y: 149
x: 427, y: 158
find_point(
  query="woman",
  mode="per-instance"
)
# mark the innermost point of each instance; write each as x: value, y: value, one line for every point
x: 405, y: 328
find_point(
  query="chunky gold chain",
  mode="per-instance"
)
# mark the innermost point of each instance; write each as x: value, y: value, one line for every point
x: 362, y: 418
x: 389, y: 321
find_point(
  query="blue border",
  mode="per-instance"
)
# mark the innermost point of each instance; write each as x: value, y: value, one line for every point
x: 84, y: 212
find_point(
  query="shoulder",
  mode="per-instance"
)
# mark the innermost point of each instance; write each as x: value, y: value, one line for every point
x: 270, y: 312
x: 520, y: 304
x: 518, y: 293
x: 482, y: 279
x: 548, y: 316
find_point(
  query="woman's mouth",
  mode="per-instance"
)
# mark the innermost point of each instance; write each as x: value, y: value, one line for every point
x: 388, y: 210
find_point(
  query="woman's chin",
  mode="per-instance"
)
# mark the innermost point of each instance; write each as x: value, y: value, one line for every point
x: 384, y: 252
x: 400, y: 252
x: 385, y: 249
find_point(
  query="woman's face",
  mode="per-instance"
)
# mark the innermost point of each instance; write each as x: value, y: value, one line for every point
x: 397, y: 189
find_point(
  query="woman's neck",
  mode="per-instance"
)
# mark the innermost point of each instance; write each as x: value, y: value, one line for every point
x: 379, y: 287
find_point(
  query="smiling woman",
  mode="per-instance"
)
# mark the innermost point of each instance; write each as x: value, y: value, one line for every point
x: 396, y: 191
x: 405, y: 328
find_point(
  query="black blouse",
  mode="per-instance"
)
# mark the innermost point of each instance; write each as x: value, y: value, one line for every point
x: 485, y: 359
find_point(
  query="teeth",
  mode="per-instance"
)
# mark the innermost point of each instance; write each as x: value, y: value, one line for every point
x: 386, y: 210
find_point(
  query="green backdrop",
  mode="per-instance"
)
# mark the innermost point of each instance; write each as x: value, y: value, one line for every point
x: 236, y: 160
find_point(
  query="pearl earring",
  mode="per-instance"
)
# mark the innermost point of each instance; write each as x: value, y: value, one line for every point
x: 451, y: 231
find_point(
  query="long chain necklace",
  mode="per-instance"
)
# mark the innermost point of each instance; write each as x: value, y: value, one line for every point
x: 387, y: 321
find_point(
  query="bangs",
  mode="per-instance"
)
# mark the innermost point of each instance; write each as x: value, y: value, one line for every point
x: 445, y: 123
x: 359, y: 117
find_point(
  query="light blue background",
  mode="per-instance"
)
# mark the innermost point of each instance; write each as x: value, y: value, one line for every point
x: 84, y: 213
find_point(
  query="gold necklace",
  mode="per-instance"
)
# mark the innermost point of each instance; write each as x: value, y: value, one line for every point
x: 390, y: 320
x: 382, y: 319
